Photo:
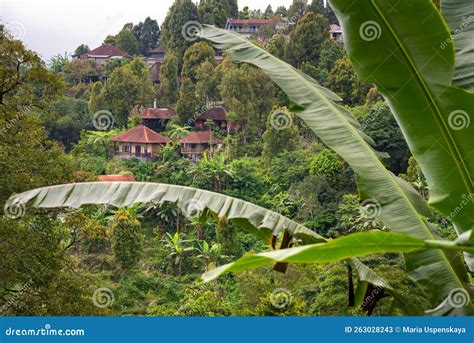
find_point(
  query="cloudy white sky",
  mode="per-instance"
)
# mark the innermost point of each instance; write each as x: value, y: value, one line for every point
x: 50, y: 27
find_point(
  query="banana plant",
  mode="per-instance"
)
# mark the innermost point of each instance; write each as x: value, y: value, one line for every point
x: 178, y: 247
x: 401, y: 208
x: 398, y: 61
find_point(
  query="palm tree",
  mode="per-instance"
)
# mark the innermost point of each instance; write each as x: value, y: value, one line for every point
x: 101, y: 138
x: 176, y: 132
x: 432, y: 107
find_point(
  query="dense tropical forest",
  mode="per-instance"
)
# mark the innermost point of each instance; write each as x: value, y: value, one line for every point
x: 148, y: 258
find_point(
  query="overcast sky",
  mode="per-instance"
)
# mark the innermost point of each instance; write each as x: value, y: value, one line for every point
x: 50, y: 27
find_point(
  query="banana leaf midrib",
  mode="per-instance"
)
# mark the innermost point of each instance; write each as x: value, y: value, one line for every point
x: 432, y: 103
x: 423, y: 225
x: 364, y: 142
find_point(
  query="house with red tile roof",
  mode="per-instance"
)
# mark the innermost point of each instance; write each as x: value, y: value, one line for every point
x: 140, y: 142
x: 103, y: 53
x: 157, y: 118
x: 218, y: 115
x: 196, y: 143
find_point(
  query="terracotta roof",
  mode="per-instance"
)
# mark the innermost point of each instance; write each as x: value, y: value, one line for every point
x: 140, y: 134
x: 200, y: 137
x: 108, y: 50
x: 253, y: 21
x: 214, y: 113
x: 118, y: 177
x: 158, y: 113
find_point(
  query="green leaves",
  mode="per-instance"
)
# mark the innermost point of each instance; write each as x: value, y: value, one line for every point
x: 195, y: 203
x: 354, y: 245
x: 397, y: 204
x: 459, y: 15
x: 414, y: 70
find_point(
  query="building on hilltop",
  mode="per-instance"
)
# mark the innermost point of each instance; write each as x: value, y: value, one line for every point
x: 218, y: 115
x: 156, y: 55
x: 140, y: 142
x: 103, y: 53
x: 251, y: 26
x: 155, y: 118
x: 196, y: 143
x: 336, y: 33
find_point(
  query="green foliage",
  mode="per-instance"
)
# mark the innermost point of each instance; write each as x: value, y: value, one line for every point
x: 58, y: 63
x: 195, y: 56
x: 278, y: 138
x: 127, y: 87
x: 147, y: 34
x: 81, y: 50
x: 127, y: 41
x: 203, y: 303
x: 343, y: 80
x: 169, y: 85
x: 328, y: 165
x: 307, y: 39
x: 127, y: 240
x: 180, y: 13
x: 187, y: 102
x: 213, y: 12
x: 76, y: 71
x: 207, y: 82
x: 382, y: 127
x: 331, y: 52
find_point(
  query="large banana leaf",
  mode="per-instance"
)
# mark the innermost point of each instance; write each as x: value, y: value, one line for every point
x: 353, y: 245
x: 349, y: 247
x: 401, y: 208
x: 261, y: 222
x: 459, y: 15
x: 405, y: 49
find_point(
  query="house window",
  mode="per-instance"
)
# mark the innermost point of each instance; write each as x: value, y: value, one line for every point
x: 126, y: 148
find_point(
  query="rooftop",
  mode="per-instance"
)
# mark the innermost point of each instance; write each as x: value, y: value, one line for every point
x: 140, y: 134
x: 158, y: 113
x: 108, y: 50
x: 200, y: 137
x: 214, y: 113
x: 253, y: 21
